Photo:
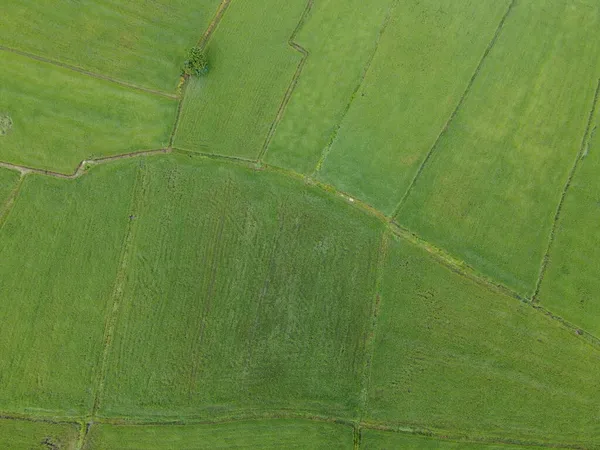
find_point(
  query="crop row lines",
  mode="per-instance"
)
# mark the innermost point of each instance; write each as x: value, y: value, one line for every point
x: 357, y: 427
x: 88, y: 73
x: 290, y: 90
x: 579, y: 157
x: 457, y: 266
x: 456, y: 109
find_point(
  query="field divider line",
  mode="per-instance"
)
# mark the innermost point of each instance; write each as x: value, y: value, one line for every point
x: 580, y: 155
x: 461, y: 101
x: 406, y: 428
x: 10, y: 201
x: 81, y: 167
x: 365, y: 72
x: 370, y: 336
x: 137, y: 200
x: 202, y: 43
x: 290, y: 90
x: 88, y: 73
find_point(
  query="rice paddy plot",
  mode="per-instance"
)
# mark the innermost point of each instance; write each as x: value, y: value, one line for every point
x: 261, y: 434
x: 490, y: 190
x: 455, y: 357
x: 379, y: 440
x: 138, y: 41
x: 26, y: 435
x: 58, y: 260
x: 246, y: 291
x: 229, y: 111
x: 423, y: 64
x: 8, y: 182
x: 571, y: 287
x: 340, y: 36
x: 60, y: 117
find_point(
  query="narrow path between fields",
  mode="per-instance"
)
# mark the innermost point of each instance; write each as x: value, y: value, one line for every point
x: 88, y: 73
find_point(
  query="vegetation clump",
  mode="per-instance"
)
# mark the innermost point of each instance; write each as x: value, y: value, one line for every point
x: 5, y: 124
x: 196, y: 63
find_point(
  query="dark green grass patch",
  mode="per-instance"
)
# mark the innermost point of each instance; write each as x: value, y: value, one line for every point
x: 263, y: 434
x: 59, y: 255
x: 143, y: 42
x: 454, y: 356
x: 229, y: 110
x: 24, y: 435
x: 61, y: 117
x: 490, y: 191
x: 424, y: 62
x: 380, y: 440
x: 571, y: 287
x: 247, y: 291
x: 340, y: 36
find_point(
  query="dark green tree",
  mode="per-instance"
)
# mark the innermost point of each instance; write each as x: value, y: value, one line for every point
x: 196, y: 63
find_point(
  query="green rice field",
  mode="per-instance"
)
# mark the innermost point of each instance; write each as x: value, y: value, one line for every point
x: 366, y: 225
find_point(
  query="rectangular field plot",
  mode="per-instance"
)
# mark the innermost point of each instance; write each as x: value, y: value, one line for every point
x: 245, y: 291
x: 61, y: 117
x: 341, y: 36
x: 571, y: 286
x: 425, y: 59
x: 25, y: 435
x: 379, y: 440
x: 490, y: 190
x: 261, y: 434
x: 230, y: 110
x: 138, y: 41
x: 454, y: 356
x: 58, y: 260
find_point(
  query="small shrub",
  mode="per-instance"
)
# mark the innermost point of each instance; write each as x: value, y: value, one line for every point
x: 5, y: 124
x: 196, y: 63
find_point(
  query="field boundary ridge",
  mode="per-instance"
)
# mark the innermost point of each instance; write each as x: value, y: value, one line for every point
x: 580, y: 155
x: 408, y: 429
x: 462, y: 99
x: 89, y: 73
x: 290, y: 90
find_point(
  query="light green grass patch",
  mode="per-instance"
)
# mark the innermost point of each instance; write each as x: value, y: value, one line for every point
x: 571, y: 286
x: 58, y: 259
x: 143, y: 42
x: 8, y: 182
x: 247, y: 291
x: 25, y: 435
x: 454, y: 356
x: 61, y: 117
x: 265, y: 434
x: 230, y: 110
x: 425, y: 59
x: 380, y: 440
x: 340, y: 36
x: 490, y: 191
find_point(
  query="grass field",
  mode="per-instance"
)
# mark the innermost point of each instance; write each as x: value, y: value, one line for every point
x: 370, y: 225
x: 295, y: 434
x: 340, y: 37
x: 381, y: 440
x: 496, y: 177
x: 229, y: 111
x: 61, y: 117
x: 408, y: 95
x: 571, y: 285
x: 24, y: 435
x: 138, y: 41
x: 58, y: 259
x: 452, y: 355
x: 242, y: 285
